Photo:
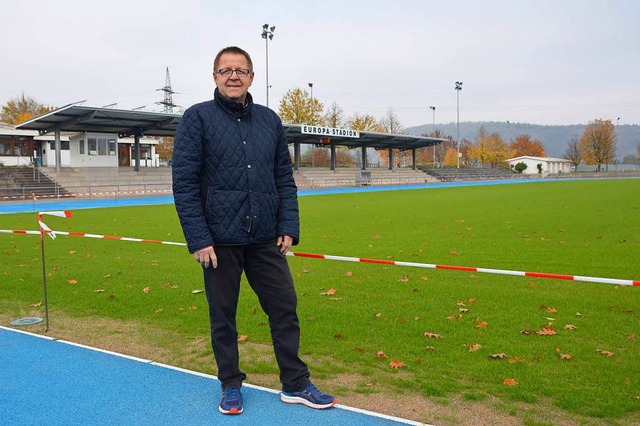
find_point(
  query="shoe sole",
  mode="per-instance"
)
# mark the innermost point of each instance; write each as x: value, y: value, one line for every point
x: 298, y: 400
x: 232, y: 411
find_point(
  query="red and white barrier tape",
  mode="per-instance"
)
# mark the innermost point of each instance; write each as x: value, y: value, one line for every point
x: 469, y: 269
x: 365, y: 260
x: 85, y: 194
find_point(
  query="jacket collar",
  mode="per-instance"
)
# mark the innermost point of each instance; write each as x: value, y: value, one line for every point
x: 232, y: 107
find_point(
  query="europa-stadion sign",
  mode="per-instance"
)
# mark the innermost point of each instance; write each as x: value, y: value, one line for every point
x: 329, y: 131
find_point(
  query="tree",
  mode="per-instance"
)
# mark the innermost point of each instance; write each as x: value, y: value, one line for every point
x: 364, y: 123
x: 23, y: 108
x: 451, y: 157
x: 520, y: 167
x: 524, y: 145
x: 489, y: 149
x: 391, y: 123
x: 572, y: 153
x: 334, y: 117
x: 297, y: 107
x: 598, y: 143
x: 165, y: 148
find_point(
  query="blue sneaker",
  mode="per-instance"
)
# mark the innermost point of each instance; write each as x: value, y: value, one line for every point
x: 309, y: 396
x: 231, y: 401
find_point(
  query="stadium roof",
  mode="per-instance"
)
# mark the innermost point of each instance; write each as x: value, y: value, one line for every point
x: 78, y: 118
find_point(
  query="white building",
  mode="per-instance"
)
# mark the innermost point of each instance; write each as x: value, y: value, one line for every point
x: 548, y: 165
x: 27, y: 147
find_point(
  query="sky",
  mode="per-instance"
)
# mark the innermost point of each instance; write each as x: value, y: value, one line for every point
x: 535, y: 61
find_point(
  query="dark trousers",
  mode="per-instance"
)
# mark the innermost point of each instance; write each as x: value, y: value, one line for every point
x: 268, y: 274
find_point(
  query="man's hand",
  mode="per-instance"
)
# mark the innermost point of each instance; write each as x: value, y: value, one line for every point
x: 206, y: 256
x: 284, y: 242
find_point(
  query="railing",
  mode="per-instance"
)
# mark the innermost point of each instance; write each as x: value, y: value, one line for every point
x: 55, y: 191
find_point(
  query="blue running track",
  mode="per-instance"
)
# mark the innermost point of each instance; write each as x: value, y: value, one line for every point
x: 53, y: 382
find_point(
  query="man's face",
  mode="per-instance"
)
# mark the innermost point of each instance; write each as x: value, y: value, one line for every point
x: 232, y: 85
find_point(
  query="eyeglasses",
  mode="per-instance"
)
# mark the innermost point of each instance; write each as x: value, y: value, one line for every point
x: 227, y: 72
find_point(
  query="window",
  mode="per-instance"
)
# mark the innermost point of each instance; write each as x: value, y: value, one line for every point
x: 81, y: 144
x: 93, y: 146
x: 102, y: 146
x: 145, y: 151
x: 112, y: 147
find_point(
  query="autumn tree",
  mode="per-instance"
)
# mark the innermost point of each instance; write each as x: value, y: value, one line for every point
x: 364, y: 123
x: 524, y: 145
x: 598, y: 143
x: 451, y: 157
x: 489, y: 149
x: 297, y: 107
x: 165, y: 148
x: 391, y: 124
x: 572, y: 153
x: 334, y: 117
x: 20, y: 109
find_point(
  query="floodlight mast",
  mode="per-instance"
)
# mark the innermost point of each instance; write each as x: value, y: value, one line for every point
x: 267, y: 34
x: 458, y: 89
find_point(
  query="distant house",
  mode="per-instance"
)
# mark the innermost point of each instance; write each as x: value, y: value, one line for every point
x: 27, y: 147
x: 548, y: 165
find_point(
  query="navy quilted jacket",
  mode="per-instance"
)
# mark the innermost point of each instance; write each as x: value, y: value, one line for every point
x: 232, y: 175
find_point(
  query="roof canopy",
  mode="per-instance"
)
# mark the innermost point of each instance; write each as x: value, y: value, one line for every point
x: 76, y: 118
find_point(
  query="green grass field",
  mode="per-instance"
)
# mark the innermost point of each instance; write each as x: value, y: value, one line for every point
x: 588, y: 228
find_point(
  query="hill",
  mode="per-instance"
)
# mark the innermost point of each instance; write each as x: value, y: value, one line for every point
x: 554, y: 138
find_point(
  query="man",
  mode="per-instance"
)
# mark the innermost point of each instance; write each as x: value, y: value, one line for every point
x: 237, y: 203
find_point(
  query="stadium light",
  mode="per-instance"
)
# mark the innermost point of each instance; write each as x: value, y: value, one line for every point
x: 267, y: 34
x: 458, y: 89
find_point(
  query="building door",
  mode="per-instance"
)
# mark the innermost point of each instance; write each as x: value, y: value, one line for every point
x: 124, y: 155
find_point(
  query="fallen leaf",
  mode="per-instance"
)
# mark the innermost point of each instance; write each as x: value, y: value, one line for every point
x: 404, y: 280
x: 416, y: 318
x: 472, y: 301
x: 498, y: 356
x: 381, y: 354
x: 305, y: 271
x: 242, y: 338
x: 546, y: 331
x: 454, y: 253
x: 565, y: 356
x: 107, y: 276
x: 631, y: 336
x: 432, y: 335
x: 72, y: 281
x: 358, y: 350
x: 101, y: 290
x: 429, y: 348
x: 396, y: 364
x: 193, y: 307
x: 196, y: 291
x: 146, y: 289
x: 463, y: 310
x: 510, y: 382
x: 482, y: 324
x: 607, y: 353
x: 159, y: 310
x: 329, y: 292
x: 627, y: 310
x: 376, y: 236
x: 527, y: 331
x: 36, y: 305
x: 349, y: 274
x: 516, y: 359
x: 454, y: 318
x: 474, y: 347
x: 311, y: 318
x: 378, y: 315
x: 569, y: 327
x: 175, y: 286
x: 338, y: 336
x: 460, y: 303
x: 72, y: 252
x: 424, y: 278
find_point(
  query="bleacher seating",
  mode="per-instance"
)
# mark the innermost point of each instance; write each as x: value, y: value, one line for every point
x: 450, y: 174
